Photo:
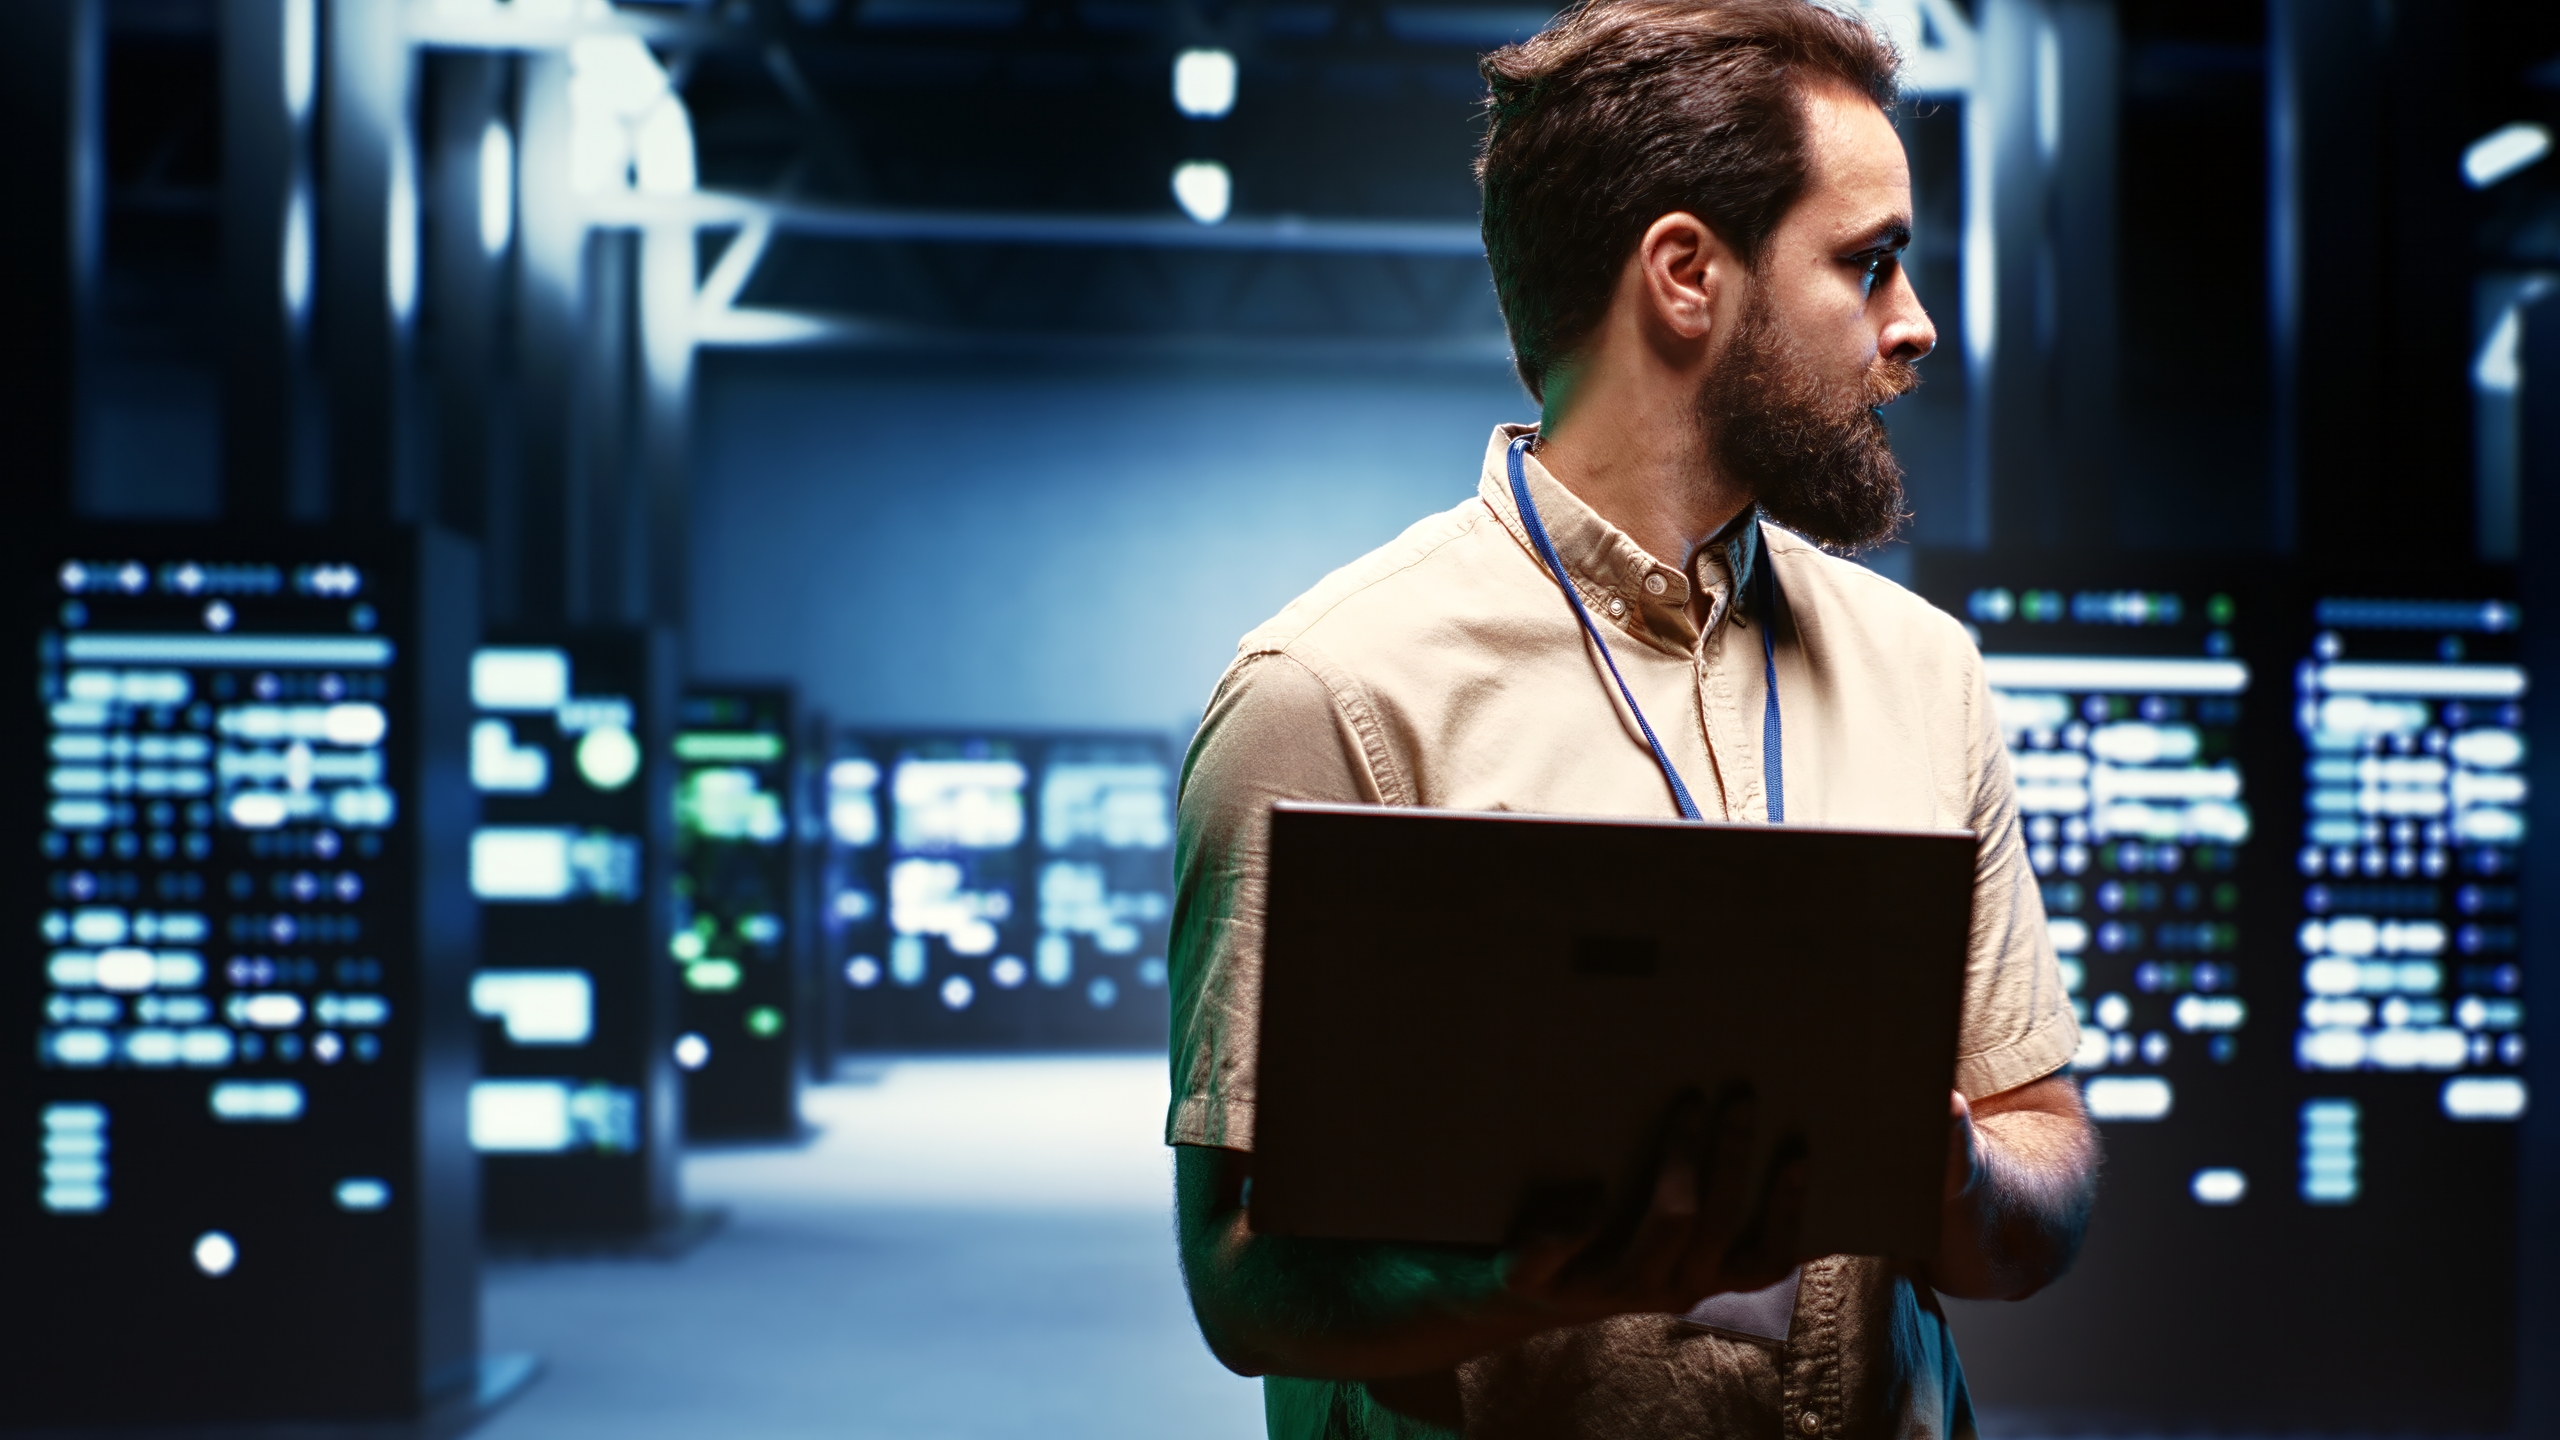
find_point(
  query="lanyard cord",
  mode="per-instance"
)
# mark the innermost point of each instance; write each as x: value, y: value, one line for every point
x: 1772, y: 764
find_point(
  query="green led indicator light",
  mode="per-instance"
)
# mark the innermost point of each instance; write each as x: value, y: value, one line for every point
x: 764, y: 1022
x: 731, y: 747
x: 713, y: 975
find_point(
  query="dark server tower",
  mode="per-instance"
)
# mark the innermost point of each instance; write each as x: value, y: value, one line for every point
x: 990, y: 891
x: 577, y: 1116
x: 2277, y: 816
x: 242, y: 1059
x: 738, y: 1013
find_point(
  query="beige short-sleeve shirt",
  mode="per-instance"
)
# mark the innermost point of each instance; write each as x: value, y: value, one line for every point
x: 1445, y: 670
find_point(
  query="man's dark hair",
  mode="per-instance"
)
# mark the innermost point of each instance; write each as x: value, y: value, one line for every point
x: 1624, y: 111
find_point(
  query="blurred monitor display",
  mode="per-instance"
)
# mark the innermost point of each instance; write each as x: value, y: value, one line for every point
x: 572, y: 1114
x: 999, y: 891
x: 2276, y: 823
x: 240, y: 961
x: 730, y: 939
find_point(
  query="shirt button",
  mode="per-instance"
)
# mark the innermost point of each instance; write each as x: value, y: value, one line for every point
x: 1617, y: 606
x: 1655, y: 584
x: 1809, y: 1423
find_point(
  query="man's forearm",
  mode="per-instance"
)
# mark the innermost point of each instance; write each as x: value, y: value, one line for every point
x: 1351, y: 1310
x: 2018, y: 1227
x: 1338, y: 1309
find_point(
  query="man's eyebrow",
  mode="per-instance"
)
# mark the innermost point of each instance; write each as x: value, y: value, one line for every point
x: 1893, y: 234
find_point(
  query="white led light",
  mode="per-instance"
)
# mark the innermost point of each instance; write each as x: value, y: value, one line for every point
x: 523, y: 680
x: 216, y: 1253
x: 2128, y: 1097
x: 608, y: 757
x: 1203, y: 189
x: 2219, y: 1186
x: 2484, y: 1097
x: 1204, y: 83
x: 537, y: 1007
x: 255, y: 1100
x: 520, y: 864
x: 519, y: 1116
x: 2502, y: 152
x: 500, y: 766
x: 692, y: 1052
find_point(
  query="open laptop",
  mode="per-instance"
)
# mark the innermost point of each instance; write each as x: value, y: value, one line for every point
x: 1460, y: 1009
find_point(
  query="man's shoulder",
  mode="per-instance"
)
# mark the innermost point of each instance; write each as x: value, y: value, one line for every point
x: 1386, y: 591
x: 1847, y: 603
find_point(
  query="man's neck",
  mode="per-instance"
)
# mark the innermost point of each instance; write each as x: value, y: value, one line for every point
x: 1641, y: 462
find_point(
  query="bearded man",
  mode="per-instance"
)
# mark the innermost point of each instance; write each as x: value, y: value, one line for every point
x: 1694, y: 211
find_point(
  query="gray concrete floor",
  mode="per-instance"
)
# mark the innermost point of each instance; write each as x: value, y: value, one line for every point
x: 968, y: 1249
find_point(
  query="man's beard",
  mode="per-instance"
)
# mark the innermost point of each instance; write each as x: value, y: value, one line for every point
x: 1815, y: 454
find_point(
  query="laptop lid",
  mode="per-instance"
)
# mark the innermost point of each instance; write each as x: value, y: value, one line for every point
x: 1461, y: 1009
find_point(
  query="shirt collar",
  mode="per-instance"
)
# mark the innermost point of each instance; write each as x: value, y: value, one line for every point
x: 1620, y: 582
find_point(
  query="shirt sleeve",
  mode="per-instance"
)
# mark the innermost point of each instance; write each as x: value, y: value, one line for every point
x: 1274, y: 732
x: 2018, y: 1024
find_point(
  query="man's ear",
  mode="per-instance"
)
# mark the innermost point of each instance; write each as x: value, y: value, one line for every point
x: 1684, y: 266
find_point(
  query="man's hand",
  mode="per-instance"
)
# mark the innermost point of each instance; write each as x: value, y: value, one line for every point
x: 1701, y: 1233
x: 1271, y: 1304
x: 2022, y: 1171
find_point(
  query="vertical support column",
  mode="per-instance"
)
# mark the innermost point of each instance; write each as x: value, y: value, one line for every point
x: 49, y: 64
x: 369, y: 261
x: 2081, y: 244
x: 2368, y: 280
x: 2427, y: 374
x: 2012, y: 322
x: 667, y: 267
x: 2538, y: 1263
x: 549, y: 277
x: 603, y: 550
x: 270, y: 79
x: 473, y: 169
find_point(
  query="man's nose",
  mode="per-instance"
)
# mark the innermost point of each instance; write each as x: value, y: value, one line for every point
x: 1907, y: 334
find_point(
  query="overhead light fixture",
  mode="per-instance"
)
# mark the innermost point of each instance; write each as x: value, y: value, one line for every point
x: 1204, y: 83
x: 401, y: 245
x: 296, y: 279
x: 301, y: 57
x: 2502, y: 152
x: 1203, y: 189
x: 497, y: 189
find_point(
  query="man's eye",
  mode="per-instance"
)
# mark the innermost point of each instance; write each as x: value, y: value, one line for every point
x: 1875, y: 267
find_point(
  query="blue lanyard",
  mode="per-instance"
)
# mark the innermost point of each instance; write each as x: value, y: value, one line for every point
x: 1764, y: 580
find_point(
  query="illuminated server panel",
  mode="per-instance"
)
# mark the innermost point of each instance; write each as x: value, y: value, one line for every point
x: 2275, y: 831
x: 242, y: 1192
x: 2411, y: 711
x: 576, y: 1113
x: 2133, y: 796
x: 731, y: 938
x: 999, y: 891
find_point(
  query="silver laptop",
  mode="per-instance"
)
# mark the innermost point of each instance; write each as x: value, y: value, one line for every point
x: 1461, y: 1011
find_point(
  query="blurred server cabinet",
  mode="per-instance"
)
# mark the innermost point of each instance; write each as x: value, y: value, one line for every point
x: 576, y: 1114
x: 999, y: 891
x: 2276, y: 816
x: 736, y: 882
x: 243, y: 1055
x: 811, y: 856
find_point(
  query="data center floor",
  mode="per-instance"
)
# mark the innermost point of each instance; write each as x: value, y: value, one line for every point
x: 968, y: 1248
